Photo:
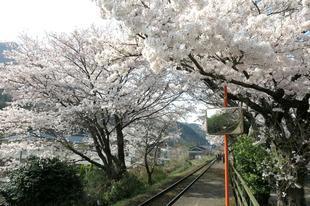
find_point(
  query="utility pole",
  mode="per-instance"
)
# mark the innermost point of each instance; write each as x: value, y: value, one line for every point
x: 226, y: 154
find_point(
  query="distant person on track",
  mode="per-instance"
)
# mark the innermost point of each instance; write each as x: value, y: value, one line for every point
x: 218, y: 157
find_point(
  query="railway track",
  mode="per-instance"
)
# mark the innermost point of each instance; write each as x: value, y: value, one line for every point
x: 171, y: 194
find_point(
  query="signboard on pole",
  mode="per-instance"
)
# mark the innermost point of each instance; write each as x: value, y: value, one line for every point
x: 225, y: 121
x: 228, y: 120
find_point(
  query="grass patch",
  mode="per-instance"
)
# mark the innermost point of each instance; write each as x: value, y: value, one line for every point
x: 176, y: 170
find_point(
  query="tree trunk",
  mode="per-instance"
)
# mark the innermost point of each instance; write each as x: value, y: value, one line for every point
x: 120, y: 146
x: 147, y: 167
x: 262, y: 199
x: 280, y: 199
x: 296, y: 196
x: 111, y: 173
x: 149, y: 178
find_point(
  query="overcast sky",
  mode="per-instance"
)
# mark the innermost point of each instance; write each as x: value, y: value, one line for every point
x: 36, y: 17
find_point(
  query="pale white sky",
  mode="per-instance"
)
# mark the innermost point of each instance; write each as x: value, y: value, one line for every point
x: 36, y: 17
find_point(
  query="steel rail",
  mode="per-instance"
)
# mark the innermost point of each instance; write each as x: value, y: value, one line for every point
x: 189, y: 185
x: 146, y: 202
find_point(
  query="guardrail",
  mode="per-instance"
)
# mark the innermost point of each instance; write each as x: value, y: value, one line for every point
x: 243, y: 194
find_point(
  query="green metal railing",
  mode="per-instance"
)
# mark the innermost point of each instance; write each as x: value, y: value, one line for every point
x: 242, y: 193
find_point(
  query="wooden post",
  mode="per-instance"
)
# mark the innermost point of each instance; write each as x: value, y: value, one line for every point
x: 226, y: 154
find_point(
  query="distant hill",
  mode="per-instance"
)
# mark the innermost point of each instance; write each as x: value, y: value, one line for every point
x: 192, y: 134
x: 4, y: 98
x: 5, y: 46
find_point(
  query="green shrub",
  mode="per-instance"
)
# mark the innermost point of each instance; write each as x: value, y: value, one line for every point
x: 182, y: 167
x: 94, y: 179
x: 43, y: 182
x: 159, y: 174
x: 171, y: 166
x: 248, y: 159
x: 98, y: 187
x: 95, y: 183
x: 128, y: 186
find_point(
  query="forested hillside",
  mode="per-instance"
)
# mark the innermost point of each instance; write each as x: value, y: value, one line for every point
x: 192, y: 134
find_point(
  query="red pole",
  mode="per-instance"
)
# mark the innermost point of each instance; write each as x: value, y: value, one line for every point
x: 226, y: 153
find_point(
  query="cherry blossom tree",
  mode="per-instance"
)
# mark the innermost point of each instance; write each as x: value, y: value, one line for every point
x: 148, y: 138
x: 259, y: 48
x: 13, y: 153
x: 83, y: 82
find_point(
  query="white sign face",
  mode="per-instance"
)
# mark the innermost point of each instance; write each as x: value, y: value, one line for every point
x: 222, y: 121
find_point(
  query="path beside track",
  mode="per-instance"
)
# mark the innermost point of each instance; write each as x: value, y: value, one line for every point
x: 171, y: 193
x: 208, y: 190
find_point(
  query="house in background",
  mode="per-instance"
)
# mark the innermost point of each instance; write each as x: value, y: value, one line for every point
x: 164, y: 154
x: 196, y: 152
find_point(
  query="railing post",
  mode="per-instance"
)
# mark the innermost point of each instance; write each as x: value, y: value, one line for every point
x: 244, y: 194
x: 226, y: 154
